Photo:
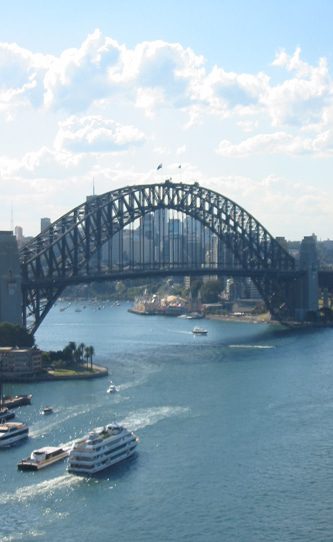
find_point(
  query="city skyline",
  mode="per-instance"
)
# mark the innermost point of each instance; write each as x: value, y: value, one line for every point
x: 235, y: 96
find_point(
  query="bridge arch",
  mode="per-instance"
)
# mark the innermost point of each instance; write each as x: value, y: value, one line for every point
x: 62, y: 254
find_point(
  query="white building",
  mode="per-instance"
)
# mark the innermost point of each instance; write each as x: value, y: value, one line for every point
x: 20, y: 361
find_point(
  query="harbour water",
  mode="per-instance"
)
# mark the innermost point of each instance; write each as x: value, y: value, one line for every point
x: 235, y: 428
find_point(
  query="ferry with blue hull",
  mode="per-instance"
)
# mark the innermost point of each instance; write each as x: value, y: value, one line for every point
x: 12, y: 432
x: 6, y: 414
x: 101, y: 448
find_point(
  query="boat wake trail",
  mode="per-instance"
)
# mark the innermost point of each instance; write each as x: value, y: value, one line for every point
x: 45, y: 427
x: 45, y: 488
x: 258, y: 346
x: 144, y: 417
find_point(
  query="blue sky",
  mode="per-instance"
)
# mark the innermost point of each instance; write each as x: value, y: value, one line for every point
x: 238, y: 92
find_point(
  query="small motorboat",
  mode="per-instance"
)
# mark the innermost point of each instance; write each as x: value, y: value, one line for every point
x: 112, y: 388
x: 47, y: 410
x: 199, y: 331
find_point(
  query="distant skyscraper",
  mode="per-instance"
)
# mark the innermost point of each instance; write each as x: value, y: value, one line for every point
x: 19, y: 235
x: 44, y: 223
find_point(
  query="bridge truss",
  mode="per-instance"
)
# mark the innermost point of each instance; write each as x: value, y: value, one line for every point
x: 157, y: 229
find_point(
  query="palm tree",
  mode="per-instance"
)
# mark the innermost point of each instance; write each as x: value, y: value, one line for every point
x: 72, y: 348
x: 91, y: 353
x: 80, y: 350
x: 87, y: 354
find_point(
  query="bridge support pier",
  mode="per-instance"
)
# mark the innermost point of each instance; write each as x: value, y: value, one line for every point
x: 307, y: 287
x: 10, y: 280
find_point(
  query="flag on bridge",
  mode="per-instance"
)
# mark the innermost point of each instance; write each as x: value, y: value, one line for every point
x: 159, y: 166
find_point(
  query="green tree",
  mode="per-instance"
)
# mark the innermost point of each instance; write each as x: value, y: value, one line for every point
x: 210, y: 291
x: 195, y: 288
x: 15, y: 335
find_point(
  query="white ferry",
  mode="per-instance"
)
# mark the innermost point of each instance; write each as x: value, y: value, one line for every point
x: 12, y: 432
x: 101, y: 448
x: 43, y: 457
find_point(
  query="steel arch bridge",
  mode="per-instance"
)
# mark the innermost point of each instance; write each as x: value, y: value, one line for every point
x: 69, y: 250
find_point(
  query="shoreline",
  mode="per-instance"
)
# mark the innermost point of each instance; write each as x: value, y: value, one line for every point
x: 244, y: 319
x: 98, y: 372
x: 265, y: 319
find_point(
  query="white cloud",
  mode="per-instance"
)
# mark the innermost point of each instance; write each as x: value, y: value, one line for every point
x: 96, y: 134
x: 279, y: 143
x: 301, y: 99
x: 149, y: 99
x: 21, y: 76
x: 44, y: 163
x: 155, y: 74
x: 112, y: 112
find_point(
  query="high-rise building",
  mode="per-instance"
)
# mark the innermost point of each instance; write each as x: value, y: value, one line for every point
x: 19, y: 236
x: 44, y: 223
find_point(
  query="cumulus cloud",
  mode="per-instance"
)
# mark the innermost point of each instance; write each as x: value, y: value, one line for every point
x: 96, y: 134
x: 226, y: 90
x: 21, y: 77
x: 157, y: 74
x: 45, y: 163
x: 279, y: 143
x: 301, y: 99
x: 102, y: 67
x: 114, y: 110
x: 79, y: 76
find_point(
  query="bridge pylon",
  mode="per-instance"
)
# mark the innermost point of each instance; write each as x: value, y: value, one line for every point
x: 10, y: 280
x: 307, y: 285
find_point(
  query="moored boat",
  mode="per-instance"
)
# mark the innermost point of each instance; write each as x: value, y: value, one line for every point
x: 43, y: 457
x: 13, y: 401
x: 6, y: 414
x: 101, y: 448
x: 12, y: 432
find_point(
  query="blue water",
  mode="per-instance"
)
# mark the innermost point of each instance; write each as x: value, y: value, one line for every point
x: 235, y: 434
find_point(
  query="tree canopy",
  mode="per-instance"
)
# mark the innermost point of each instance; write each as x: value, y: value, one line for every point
x: 15, y: 335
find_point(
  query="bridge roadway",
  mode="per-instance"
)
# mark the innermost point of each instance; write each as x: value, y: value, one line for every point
x: 139, y: 272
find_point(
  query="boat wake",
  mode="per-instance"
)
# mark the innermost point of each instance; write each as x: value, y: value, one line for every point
x: 32, y: 534
x: 144, y: 417
x: 41, y: 428
x: 257, y: 346
x: 45, y: 488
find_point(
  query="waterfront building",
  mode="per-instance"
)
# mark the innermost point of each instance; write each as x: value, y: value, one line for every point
x: 20, y: 362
